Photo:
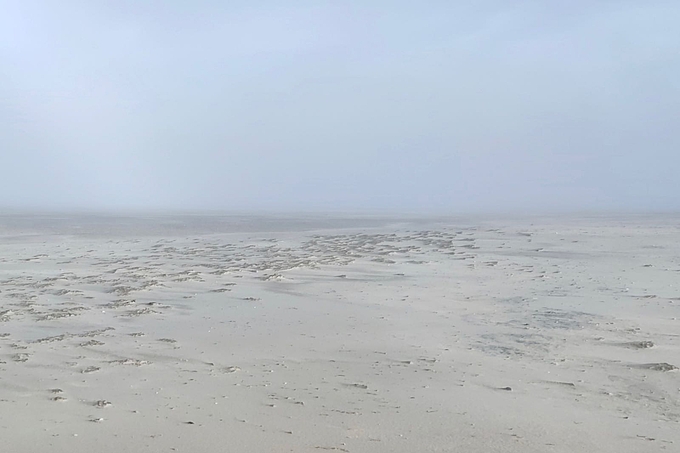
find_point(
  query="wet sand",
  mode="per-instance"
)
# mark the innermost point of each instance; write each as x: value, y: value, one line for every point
x: 363, y: 334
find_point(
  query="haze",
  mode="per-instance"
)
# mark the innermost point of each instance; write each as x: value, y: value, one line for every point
x: 324, y: 106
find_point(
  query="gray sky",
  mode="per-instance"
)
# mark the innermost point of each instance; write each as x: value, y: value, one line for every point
x: 340, y: 105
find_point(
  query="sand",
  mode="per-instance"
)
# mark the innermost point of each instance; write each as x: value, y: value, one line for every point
x: 292, y: 334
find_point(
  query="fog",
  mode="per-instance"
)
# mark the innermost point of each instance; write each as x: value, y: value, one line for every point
x: 433, y: 106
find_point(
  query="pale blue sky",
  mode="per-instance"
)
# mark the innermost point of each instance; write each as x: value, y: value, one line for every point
x: 340, y: 105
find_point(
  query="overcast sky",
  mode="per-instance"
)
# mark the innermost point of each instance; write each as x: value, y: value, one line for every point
x: 448, y: 106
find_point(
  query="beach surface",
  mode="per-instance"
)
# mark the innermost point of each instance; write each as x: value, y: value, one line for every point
x: 327, y: 334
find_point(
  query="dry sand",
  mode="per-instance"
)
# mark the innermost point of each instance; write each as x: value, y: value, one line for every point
x: 192, y: 334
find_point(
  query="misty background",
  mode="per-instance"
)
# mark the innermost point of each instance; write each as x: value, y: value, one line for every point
x: 434, y: 106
